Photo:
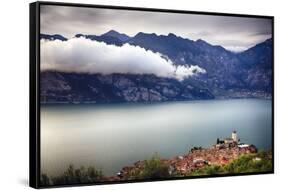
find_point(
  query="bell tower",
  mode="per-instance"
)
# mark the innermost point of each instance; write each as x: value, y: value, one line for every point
x: 234, y: 136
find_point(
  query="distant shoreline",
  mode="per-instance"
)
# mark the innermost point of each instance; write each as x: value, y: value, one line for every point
x: 147, y: 103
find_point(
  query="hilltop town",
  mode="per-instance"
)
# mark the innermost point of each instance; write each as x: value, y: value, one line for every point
x: 222, y: 153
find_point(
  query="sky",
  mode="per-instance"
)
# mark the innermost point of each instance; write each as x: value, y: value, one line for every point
x: 233, y: 33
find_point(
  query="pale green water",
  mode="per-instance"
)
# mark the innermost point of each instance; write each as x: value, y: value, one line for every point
x: 112, y: 136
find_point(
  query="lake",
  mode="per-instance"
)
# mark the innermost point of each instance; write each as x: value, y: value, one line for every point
x: 112, y: 136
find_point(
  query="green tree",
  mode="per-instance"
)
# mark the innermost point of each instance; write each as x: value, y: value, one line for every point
x: 153, y: 168
x: 73, y: 176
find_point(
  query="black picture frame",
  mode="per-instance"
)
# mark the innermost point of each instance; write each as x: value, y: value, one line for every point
x: 34, y: 89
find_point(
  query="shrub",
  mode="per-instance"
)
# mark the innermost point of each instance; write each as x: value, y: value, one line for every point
x: 153, y: 168
x: 243, y: 164
x: 73, y: 176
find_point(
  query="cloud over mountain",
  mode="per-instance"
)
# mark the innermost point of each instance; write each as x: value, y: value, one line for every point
x: 82, y: 55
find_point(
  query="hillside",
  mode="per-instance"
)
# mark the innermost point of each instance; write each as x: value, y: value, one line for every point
x: 228, y: 75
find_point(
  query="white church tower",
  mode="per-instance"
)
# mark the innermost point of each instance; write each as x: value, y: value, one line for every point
x: 234, y: 136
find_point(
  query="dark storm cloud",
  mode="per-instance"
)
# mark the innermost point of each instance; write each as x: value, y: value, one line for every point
x: 235, y: 33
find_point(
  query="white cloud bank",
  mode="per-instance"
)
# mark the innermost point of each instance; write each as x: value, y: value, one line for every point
x: 82, y: 55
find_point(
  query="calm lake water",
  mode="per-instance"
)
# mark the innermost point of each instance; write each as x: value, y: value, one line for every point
x: 112, y: 136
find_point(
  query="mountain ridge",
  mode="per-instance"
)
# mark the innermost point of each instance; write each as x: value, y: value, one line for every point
x: 91, y: 36
x: 228, y: 74
x: 121, y: 36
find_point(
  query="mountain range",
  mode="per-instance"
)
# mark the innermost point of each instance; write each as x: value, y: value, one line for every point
x: 228, y: 75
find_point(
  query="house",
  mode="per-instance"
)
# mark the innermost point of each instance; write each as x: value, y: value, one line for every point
x: 243, y: 145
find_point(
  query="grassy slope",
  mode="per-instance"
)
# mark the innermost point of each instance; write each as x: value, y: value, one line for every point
x: 258, y: 162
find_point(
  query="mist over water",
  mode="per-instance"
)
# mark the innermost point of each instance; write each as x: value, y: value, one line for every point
x: 110, y: 137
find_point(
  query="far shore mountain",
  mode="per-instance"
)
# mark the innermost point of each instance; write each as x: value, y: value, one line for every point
x: 246, y: 74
